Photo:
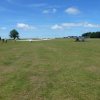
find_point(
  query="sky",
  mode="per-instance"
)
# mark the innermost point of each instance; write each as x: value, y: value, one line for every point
x: 49, y: 18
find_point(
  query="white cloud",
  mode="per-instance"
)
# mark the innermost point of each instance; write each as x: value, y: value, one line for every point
x: 55, y: 27
x: 54, y: 10
x: 86, y: 24
x: 47, y: 11
x: 37, y: 5
x: 83, y: 24
x: 3, y: 28
x: 71, y: 25
x: 4, y: 9
x: 25, y: 26
x: 72, y: 11
x: 10, y: 1
x: 18, y: 3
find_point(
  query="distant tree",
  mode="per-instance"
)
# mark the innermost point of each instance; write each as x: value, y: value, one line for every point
x: 14, y: 34
x: 0, y: 38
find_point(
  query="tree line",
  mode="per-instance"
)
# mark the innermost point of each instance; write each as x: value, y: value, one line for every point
x: 91, y: 35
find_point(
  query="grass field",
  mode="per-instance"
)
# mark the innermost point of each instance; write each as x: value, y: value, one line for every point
x: 59, y: 69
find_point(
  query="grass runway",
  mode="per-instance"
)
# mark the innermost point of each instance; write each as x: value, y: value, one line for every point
x: 59, y: 69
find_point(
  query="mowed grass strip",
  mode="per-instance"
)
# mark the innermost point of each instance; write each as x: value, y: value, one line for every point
x: 59, y: 69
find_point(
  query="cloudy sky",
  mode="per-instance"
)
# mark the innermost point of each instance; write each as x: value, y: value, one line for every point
x: 49, y: 18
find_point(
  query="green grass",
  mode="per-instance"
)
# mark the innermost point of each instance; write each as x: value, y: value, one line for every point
x: 58, y: 69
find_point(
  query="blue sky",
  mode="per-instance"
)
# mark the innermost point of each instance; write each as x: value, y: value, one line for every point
x: 49, y: 18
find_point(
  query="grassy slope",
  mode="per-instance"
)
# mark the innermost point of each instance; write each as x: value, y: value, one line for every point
x: 50, y: 70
